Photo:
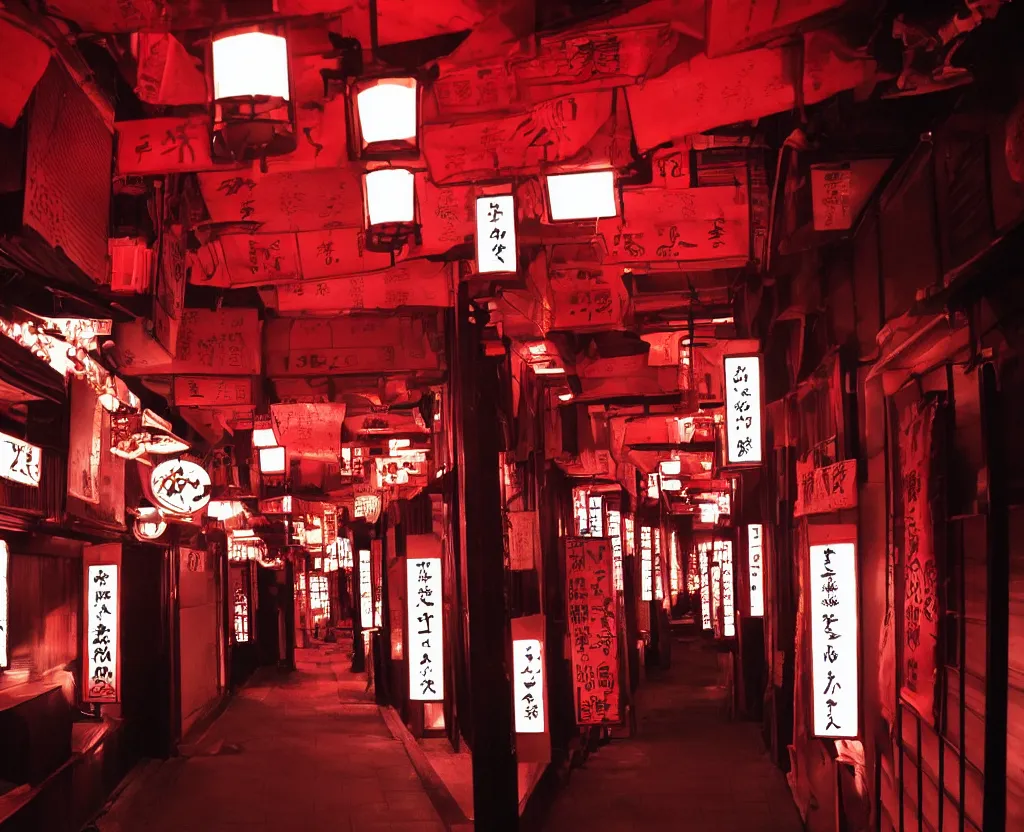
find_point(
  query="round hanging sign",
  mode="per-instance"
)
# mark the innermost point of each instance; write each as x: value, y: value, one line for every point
x: 180, y: 486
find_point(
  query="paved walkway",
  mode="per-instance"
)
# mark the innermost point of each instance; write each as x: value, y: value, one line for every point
x: 301, y: 751
x: 689, y: 767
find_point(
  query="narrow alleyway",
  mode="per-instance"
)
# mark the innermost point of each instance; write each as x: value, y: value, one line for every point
x: 689, y: 766
x: 301, y: 751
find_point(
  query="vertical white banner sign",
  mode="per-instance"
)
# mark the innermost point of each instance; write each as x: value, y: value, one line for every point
x: 834, y: 650
x: 728, y: 601
x: 5, y: 602
x: 705, y: 587
x: 528, y: 685
x: 102, y: 623
x: 426, y: 636
x: 496, y: 234
x: 743, y: 410
x: 615, y: 533
x: 595, y: 518
x: 755, y: 549
x: 659, y: 592
x: 646, y: 564
x: 365, y: 591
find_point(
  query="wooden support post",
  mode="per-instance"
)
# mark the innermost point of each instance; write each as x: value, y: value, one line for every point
x: 478, y: 440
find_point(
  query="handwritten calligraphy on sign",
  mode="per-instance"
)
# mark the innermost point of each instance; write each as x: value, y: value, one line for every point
x: 755, y: 553
x: 553, y: 131
x: 723, y: 553
x: 496, y: 249
x: 261, y: 259
x: 102, y: 623
x: 212, y: 391
x: 447, y: 215
x: 646, y: 564
x: 304, y: 200
x: 365, y: 590
x: 679, y: 225
x: 310, y: 431
x: 338, y: 251
x: 210, y: 342
x: 743, y: 428
x: 582, y: 299
x: 158, y: 146
x: 528, y: 685
x: 671, y: 168
x: 426, y: 629
x: 920, y: 573
x: 593, y: 630
x: 595, y: 59
x: 705, y: 587
x: 20, y: 461
x: 523, y: 540
x: 484, y: 87
x: 615, y: 533
x: 413, y: 283
x: 706, y: 92
x: 821, y: 490
x: 830, y: 189
x: 171, y: 278
x: 834, y: 633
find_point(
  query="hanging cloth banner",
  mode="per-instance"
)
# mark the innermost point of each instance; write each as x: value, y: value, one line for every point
x: 593, y: 631
x: 920, y: 577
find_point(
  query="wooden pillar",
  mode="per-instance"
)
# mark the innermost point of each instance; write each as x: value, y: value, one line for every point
x: 478, y: 440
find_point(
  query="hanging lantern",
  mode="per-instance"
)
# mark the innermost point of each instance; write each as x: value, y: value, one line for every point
x: 390, y: 204
x: 385, y: 118
x: 263, y: 433
x: 273, y: 460
x: 253, y: 113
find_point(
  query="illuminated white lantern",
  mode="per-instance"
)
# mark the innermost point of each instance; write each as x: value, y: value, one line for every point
x: 263, y: 433
x: 273, y: 460
x: 387, y: 117
x: 252, y: 109
x: 496, y: 234
x: 582, y: 196
x: 390, y: 196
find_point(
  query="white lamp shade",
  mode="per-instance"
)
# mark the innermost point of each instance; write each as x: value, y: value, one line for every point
x: 264, y: 438
x: 250, y: 63
x: 390, y: 195
x: 582, y: 196
x: 387, y: 111
x: 273, y: 460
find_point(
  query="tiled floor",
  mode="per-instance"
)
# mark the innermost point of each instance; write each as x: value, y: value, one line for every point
x: 301, y: 751
x: 690, y: 767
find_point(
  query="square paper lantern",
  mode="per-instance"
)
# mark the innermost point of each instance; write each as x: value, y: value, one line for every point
x: 582, y: 196
x: 390, y: 196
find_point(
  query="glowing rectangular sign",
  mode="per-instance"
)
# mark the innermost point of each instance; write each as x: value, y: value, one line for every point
x: 595, y: 518
x: 365, y: 591
x: 834, y: 650
x: 743, y: 410
x: 5, y: 609
x: 593, y: 630
x: 528, y: 685
x: 755, y: 548
x: 659, y: 591
x: 615, y: 533
x: 20, y: 462
x: 705, y: 589
x: 496, y: 234
x: 646, y: 564
x: 724, y: 552
x: 102, y: 624
x: 426, y: 634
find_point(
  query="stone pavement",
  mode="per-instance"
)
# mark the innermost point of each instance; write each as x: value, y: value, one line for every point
x: 690, y: 767
x: 305, y: 751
